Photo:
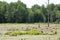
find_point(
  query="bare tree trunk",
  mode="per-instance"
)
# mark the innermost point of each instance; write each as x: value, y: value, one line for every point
x: 48, y: 13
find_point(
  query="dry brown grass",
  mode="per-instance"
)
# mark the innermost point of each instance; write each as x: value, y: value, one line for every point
x: 20, y: 27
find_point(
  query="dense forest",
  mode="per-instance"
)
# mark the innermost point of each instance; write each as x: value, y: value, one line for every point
x: 17, y: 12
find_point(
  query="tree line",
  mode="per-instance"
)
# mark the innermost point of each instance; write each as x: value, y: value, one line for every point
x: 17, y: 12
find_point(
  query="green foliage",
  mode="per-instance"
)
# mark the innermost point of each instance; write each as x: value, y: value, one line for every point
x: 17, y: 12
x: 7, y: 33
x: 15, y: 33
x: 31, y: 32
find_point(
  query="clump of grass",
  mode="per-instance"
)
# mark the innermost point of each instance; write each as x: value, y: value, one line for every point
x: 7, y: 33
x: 54, y: 32
x: 15, y: 33
x: 33, y: 32
x: 59, y: 38
x: 30, y: 32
